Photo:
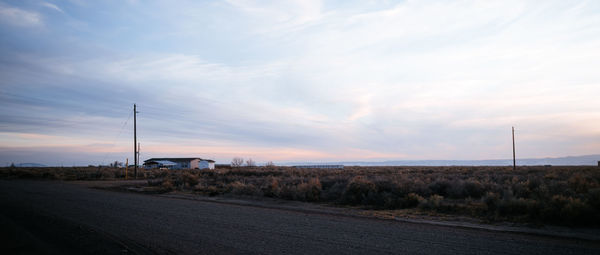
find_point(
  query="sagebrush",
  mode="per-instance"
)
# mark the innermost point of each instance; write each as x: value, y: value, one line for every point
x: 565, y: 195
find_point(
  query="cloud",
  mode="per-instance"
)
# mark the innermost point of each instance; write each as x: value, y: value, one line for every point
x: 278, y: 16
x: 180, y: 68
x: 32, y: 136
x: 19, y: 17
x: 52, y: 6
x: 314, y: 80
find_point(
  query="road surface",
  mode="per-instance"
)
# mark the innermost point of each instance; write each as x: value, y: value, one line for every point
x: 65, y: 218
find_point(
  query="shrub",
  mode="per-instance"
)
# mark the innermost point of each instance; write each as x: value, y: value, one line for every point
x: 210, y: 190
x: 457, y: 189
x: 567, y: 195
x: 474, y: 189
x: 310, y: 191
x: 358, y: 191
x: 166, y: 186
x: 521, y: 206
x: 576, y: 212
x: 432, y: 203
x: 594, y: 199
x: 271, y: 187
x: 413, y: 200
x: 572, y: 211
x: 578, y: 183
x: 491, y: 200
x: 155, y: 182
x: 390, y: 201
x: 334, y: 192
x: 240, y: 188
x: 440, y: 187
x: 190, y: 179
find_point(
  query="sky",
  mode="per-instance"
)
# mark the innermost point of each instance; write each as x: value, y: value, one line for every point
x: 298, y: 80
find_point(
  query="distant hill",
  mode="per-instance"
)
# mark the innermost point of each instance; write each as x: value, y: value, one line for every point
x: 571, y: 160
x: 29, y: 165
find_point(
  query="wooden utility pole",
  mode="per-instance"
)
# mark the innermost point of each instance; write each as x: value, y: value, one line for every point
x: 138, y: 153
x: 514, y: 158
x: 135, y: 158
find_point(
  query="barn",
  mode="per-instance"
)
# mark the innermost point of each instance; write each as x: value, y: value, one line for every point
x: 179, y: 163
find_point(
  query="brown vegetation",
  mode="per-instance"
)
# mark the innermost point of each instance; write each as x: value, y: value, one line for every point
x: 567, y: 195
x: 557, y: 195
x: 74, y: 173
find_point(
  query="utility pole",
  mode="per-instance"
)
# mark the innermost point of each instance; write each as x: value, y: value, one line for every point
x: 135, y: 158
x: 138, y: 153
x: 514, y: 158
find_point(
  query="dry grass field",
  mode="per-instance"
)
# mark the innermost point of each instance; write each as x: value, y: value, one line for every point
x: 559, y: 195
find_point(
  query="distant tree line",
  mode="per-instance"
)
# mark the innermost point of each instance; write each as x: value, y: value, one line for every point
x: 239, y: 162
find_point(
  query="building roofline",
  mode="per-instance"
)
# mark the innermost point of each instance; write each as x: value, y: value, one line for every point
x: 179, y: 159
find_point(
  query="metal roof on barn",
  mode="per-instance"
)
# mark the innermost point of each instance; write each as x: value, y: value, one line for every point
x: 165, y: 162
x: 177, y: 159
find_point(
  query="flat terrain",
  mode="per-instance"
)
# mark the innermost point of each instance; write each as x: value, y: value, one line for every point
x: 62, y: 218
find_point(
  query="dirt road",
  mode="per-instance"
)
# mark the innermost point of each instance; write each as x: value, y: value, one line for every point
x: 64, y: 218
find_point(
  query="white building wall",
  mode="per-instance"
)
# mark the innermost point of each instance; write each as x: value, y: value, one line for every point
x: 194, y: 164
x: 206, y: 165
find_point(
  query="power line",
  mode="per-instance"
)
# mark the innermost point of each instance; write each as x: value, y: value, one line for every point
x: 117, y: 137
